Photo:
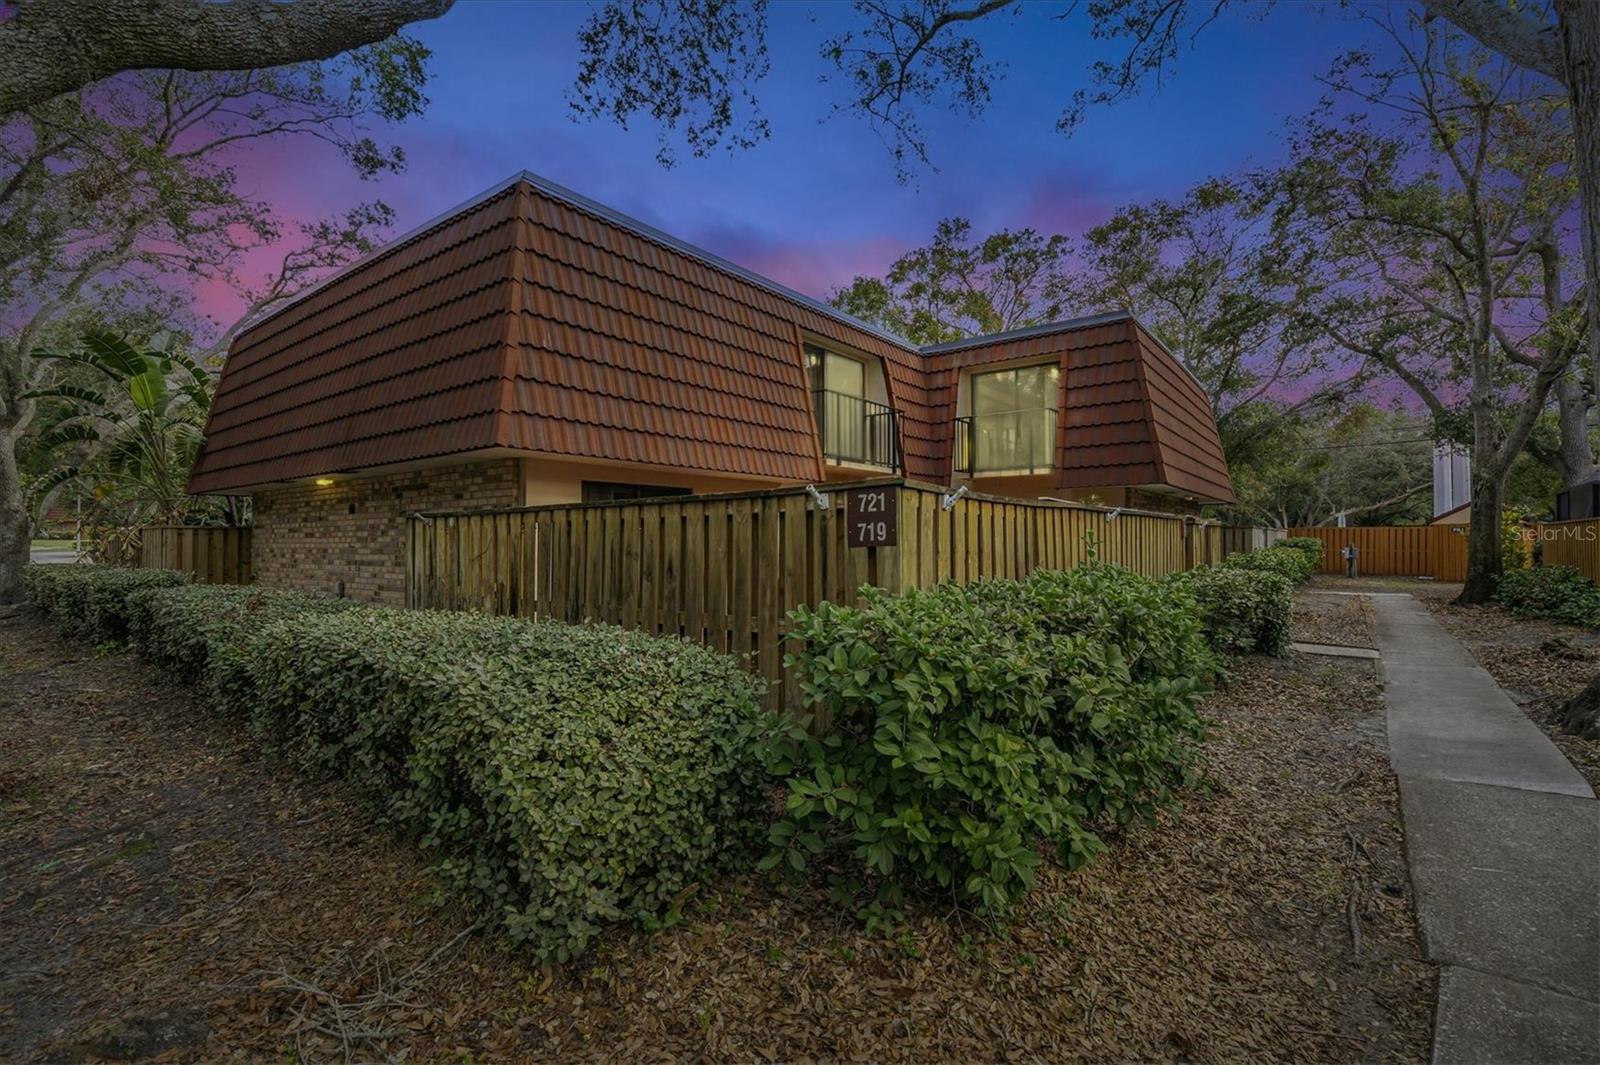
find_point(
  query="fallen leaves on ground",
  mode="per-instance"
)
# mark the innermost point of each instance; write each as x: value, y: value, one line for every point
x: 1342, y: 620
x: 169, y: 893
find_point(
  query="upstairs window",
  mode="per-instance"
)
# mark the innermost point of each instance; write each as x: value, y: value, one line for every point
x: 853, y: 428
x: 1012, y: 428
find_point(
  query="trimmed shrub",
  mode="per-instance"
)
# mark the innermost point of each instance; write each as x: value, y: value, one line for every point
x: 567, y: 776
x: 1242, y: 610
x: 1556, y: 593
x: 1295, y: 564
x: 199, y: 632
x: 968, y: 724
x: 92, y: 601
x: 1310, y: 546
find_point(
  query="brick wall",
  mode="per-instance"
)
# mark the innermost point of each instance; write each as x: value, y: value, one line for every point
x: 354, y: 530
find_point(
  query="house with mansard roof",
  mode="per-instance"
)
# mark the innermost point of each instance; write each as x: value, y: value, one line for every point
x: 532, y: 346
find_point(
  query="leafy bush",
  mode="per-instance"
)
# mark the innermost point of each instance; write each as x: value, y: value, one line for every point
x: 92, y: 601
x: 1558, y: 593
x: 1294, y: 563
x: 1242, y: 610
x: 1515, y: 547
x: 199, y: 633
x: 1310, y: 546
x: 567, y: 775
x: 968, y: 724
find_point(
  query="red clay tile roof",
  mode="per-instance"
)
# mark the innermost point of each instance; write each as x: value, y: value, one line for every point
x: 1130, y: 414
x: 533, y: 318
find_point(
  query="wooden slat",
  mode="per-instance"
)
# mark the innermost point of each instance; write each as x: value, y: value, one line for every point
x: 213, y: 554
x: 725, y: 570
x: 1574, y: 543
x: 1436, y: 551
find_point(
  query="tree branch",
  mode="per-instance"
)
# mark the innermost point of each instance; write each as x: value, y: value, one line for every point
x: 53, y: 47
x: 1500, y: 27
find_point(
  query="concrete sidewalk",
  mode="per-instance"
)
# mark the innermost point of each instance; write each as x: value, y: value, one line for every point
x: 1503, y: 842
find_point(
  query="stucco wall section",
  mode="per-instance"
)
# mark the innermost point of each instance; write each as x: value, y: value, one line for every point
x: 311, y: 536
x: 551, y: 481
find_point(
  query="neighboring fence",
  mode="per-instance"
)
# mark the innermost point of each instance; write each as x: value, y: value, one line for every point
x: 1437, y: 551
x: 1237, y: 539
x: 1573, y: 543
x: 214, y: 554
x: 725, y: 569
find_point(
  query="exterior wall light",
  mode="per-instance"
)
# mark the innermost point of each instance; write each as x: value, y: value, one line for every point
x: 323, y: 482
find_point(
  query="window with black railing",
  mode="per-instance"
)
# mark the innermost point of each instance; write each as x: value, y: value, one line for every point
x: 856, y: 430
x: 1013, y: 441
x: 1012, y: 425
x: 853, y: 429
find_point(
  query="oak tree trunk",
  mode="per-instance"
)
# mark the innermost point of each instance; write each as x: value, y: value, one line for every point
x: 1579, y: 23
x: 1575, y: 459
x: 1483, y: 542
x: 1580, y: 716
x: 16, y: 525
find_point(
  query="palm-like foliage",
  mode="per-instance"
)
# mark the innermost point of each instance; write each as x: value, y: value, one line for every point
x: 132, y: 431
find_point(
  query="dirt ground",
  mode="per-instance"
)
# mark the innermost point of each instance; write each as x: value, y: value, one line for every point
x: 1343, y: 620
x: 166, y: 893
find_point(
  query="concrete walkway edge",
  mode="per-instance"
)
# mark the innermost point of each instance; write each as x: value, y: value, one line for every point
x: 1503, y: 844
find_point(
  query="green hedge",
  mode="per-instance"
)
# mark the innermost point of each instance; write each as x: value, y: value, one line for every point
x: 201, y: 633
x: 564, y: 776
x: 1242, y: 609
x: 1556, y: 593
x: 969, y: 724
x: 92, y: 601
x: 1310, y: 546
x: 569, y: 775
x: 1295, y: 563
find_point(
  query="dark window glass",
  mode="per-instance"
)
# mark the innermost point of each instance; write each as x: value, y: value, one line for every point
x: 610, y: 491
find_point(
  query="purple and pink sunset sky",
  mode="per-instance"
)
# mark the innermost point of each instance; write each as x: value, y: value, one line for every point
x: 819, y: 203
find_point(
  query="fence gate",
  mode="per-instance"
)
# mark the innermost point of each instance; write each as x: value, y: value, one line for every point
x: 725, y: 570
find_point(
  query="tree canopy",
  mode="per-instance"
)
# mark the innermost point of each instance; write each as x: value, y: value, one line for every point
x: 120, y: 200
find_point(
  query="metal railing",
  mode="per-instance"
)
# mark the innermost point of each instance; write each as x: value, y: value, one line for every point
x: 857, y: 430
x: 1013, y: 441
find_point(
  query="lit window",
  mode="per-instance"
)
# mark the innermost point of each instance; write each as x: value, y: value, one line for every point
x: 1012, y: 428
x: 853, y: 428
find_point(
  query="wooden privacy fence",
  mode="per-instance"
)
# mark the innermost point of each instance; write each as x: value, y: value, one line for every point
x: 1437, y: 551
x: 214, y: 554
x: 725, y: 569
x: 1573, y: 543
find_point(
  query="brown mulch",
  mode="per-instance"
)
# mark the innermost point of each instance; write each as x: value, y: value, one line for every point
x: 1421, y: 587
x: 165, y: 891
x: 1342, y: 620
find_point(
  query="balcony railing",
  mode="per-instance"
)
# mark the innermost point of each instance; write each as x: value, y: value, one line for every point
x: 1007, y: 442
x: 857, y: 430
